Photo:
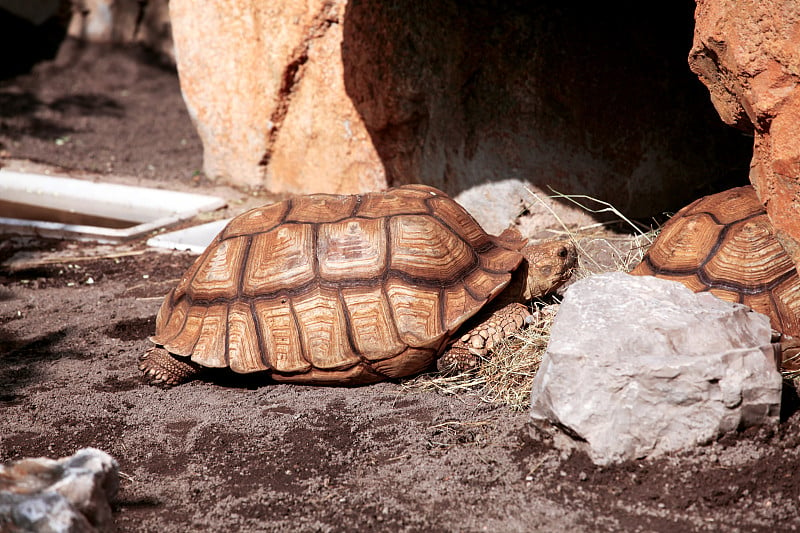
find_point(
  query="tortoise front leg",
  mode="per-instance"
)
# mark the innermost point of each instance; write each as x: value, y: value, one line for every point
x: 162, y: 368
x: 467, y: 351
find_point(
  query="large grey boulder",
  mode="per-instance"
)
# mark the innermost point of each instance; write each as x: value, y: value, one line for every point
x: 68, y: 495
x: 637, y: 366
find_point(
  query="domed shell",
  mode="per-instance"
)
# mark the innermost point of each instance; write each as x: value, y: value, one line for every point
x: 725, y: 244
x: 326, y: 288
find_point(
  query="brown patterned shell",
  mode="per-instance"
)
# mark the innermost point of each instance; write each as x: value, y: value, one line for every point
x: 724, y: 244
x: 339, y: 289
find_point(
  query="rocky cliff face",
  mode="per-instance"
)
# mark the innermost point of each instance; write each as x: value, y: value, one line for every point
x: 345, y: 96
x: 748, y: 55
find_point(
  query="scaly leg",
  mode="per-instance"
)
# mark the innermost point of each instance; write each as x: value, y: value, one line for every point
x: 162, y: 368
x: 466, y: 352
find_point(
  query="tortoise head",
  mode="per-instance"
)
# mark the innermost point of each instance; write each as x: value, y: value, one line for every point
x: 550, y: 264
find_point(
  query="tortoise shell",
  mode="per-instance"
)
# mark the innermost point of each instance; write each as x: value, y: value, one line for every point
x: 725, y: 244
x: 336, y: 289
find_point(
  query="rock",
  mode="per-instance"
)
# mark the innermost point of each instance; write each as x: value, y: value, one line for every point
x: 66, y: 495
x: 747, y: 54
x: 349, y: 96
x: 639, y: 366
x: 266, y: 91
x: 498, y: 204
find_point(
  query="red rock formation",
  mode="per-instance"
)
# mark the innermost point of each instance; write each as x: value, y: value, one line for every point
x: 472, y: 96
x: 748, y: 55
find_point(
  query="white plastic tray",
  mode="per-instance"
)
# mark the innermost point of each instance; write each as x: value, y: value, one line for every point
x: 195, y: 239
x: 139, y: 209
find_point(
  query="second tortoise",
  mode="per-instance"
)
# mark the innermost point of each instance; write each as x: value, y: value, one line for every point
x: 334, y: 289
x: 725, y: 244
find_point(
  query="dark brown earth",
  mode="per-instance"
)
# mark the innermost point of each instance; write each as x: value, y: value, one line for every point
x: 248, y: 456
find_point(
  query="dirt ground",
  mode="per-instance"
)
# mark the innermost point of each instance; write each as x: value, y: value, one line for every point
x: 248, y: 456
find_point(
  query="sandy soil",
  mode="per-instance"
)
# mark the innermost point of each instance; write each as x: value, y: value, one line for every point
x: 248, y: 456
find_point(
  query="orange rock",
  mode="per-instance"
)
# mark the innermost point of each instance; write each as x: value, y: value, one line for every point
x: 266, y: 91
x: 748, y: 55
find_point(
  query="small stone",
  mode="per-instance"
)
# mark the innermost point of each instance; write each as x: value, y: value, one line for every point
x: 70, y: 494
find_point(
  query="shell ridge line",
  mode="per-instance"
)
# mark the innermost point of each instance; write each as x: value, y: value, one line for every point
x: 317, y: 250
x: 262, y: 345
x: 481, y: 301
x: 351, y: 283
x: 183, y: 327
x: 243, y: 267
x: 303, y: 348
x: 348, y: 326
x: 732, y: 222
x: 471, y: 248
x: 188, y: 292
x: 737, y: 287
x: 172, y: 302
x: 713, y: 284
x: 775, y: 313
x: 715, y: 247
x: 385, y: 296
x: 227, y: 328
x: 441, y: 309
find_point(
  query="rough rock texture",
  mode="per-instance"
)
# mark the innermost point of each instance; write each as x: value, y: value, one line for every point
x: 264, y: 83
x: 123, y: 21
x: 639, y: 366
x: 748, y: 55
x: 68, y: 495
x: 343, y: 96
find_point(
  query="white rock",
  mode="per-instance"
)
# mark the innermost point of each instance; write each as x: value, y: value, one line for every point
x: 68, y: 495
x: 637, y: 366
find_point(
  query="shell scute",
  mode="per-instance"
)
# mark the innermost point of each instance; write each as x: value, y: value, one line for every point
x: 280, y: 259
x: 170, y: 319
x: 749, y: 255
x: 370, y: 317
x: 320, y: 208
x: 323, y: 329
x: 394, y: 202
x: 424, y: 249
x: 416, y: 313
x: 280, y: 337
x: 244, y: 352
x: 211, y: 347
x: 459, y: 306
x: 461, y: 222
x: 256, y: 220
x: 218, y: 275
x: 184, y: 342
x: 686, y: 244
x: 353, y: 248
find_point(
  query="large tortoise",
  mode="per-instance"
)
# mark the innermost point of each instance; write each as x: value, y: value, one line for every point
x: 725, y: 244
x: 331, y: 289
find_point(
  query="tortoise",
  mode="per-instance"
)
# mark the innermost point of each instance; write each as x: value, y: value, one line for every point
x: 350, y: 289
x: 725, y: 244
